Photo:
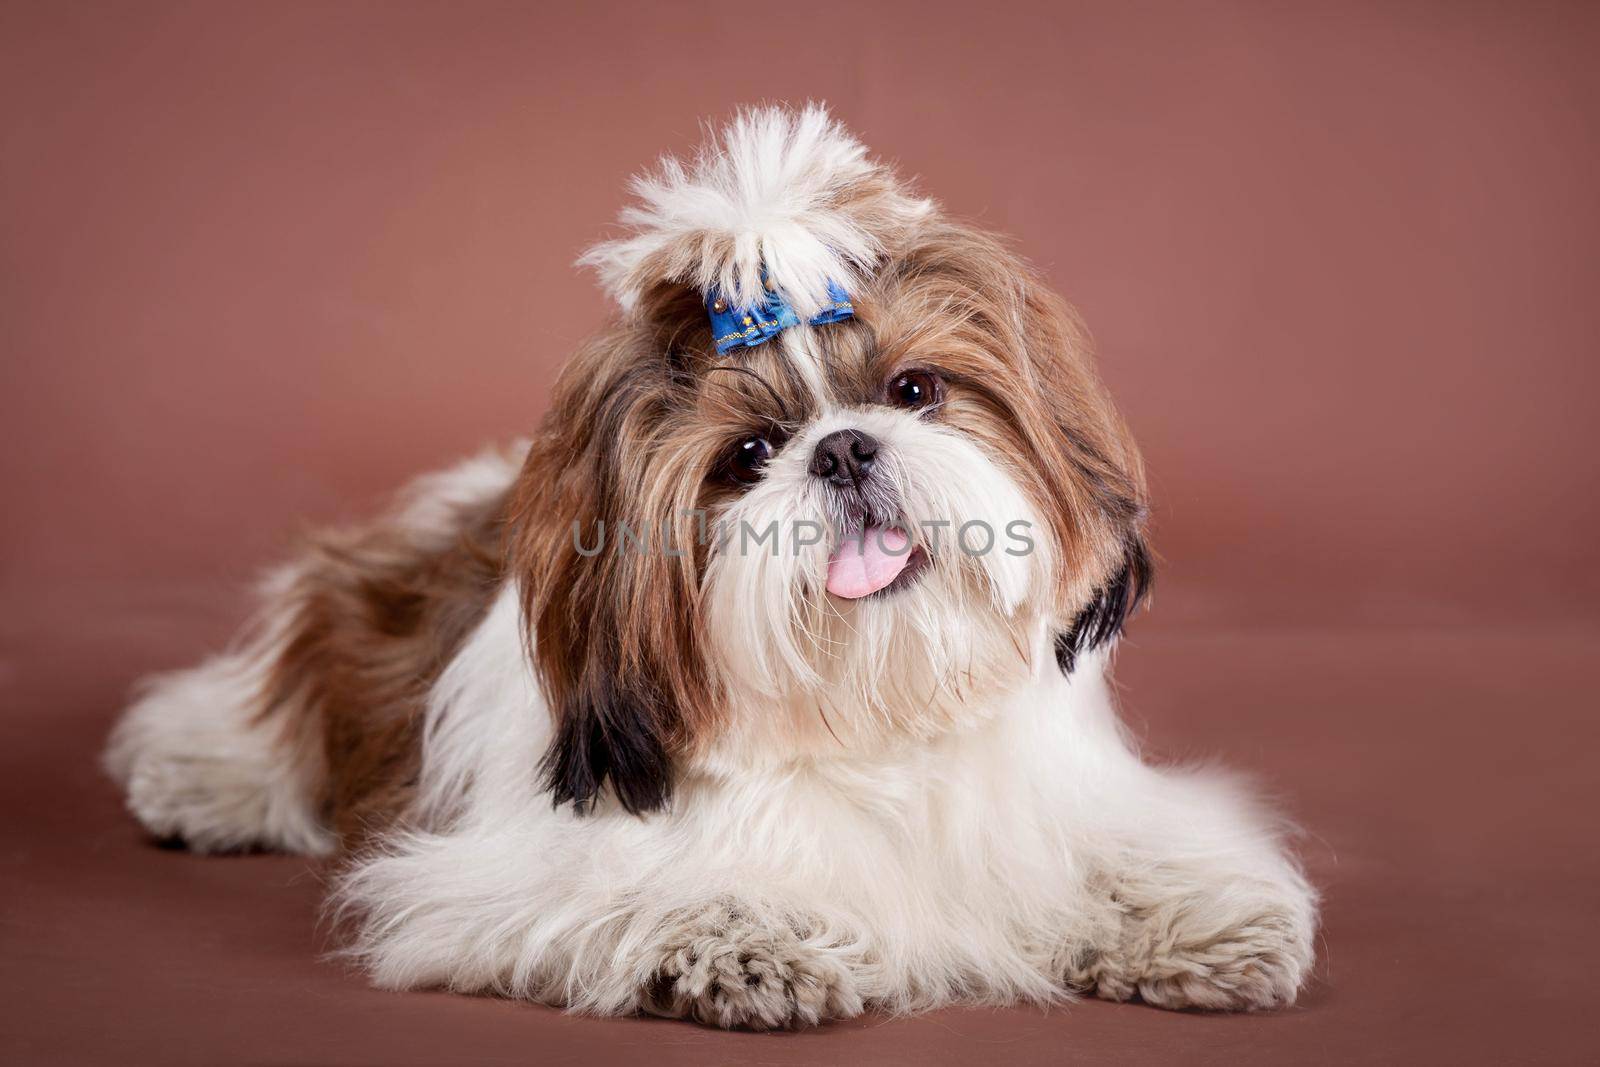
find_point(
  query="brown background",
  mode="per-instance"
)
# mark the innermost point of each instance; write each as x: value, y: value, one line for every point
x: 260, y: 263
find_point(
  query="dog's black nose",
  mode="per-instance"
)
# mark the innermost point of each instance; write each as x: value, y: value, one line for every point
x: 844, y: 457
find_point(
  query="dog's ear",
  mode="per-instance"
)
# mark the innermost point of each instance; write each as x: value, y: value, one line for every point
x: 1095, y: 478
x: 609, y: 593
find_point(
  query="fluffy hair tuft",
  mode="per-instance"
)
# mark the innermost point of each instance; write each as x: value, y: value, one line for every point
x: 790, y: 191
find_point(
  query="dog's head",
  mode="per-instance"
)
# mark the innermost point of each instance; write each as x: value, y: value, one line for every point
x: 842, y: 534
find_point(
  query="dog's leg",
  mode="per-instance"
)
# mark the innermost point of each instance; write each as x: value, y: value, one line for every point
x: 199, y: 760
x: 1204, y: 907
x: 306, y: 731
x: 723, y: 966
x: 530, y: 911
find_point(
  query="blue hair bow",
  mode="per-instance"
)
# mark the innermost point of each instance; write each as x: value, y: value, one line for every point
x: 733, y: 327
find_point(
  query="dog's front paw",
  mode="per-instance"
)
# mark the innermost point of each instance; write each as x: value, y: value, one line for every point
x: 1199, y: 953
x: 726, y: 969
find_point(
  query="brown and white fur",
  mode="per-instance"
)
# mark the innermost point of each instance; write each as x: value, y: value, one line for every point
x: 688, y: 780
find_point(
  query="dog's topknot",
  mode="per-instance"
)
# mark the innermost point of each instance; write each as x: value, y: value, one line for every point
x: 789, y: 193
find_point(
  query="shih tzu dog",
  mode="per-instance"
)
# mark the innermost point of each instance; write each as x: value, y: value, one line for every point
x: 767, y: 683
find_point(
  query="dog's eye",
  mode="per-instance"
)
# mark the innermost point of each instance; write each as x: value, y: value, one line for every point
x: 914, y: 390
x: 748, y: 458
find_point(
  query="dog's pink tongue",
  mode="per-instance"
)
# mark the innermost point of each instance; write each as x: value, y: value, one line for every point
x: 866, y: 564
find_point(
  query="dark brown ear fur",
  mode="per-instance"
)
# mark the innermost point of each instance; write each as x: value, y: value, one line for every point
x: 1113, y: 603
